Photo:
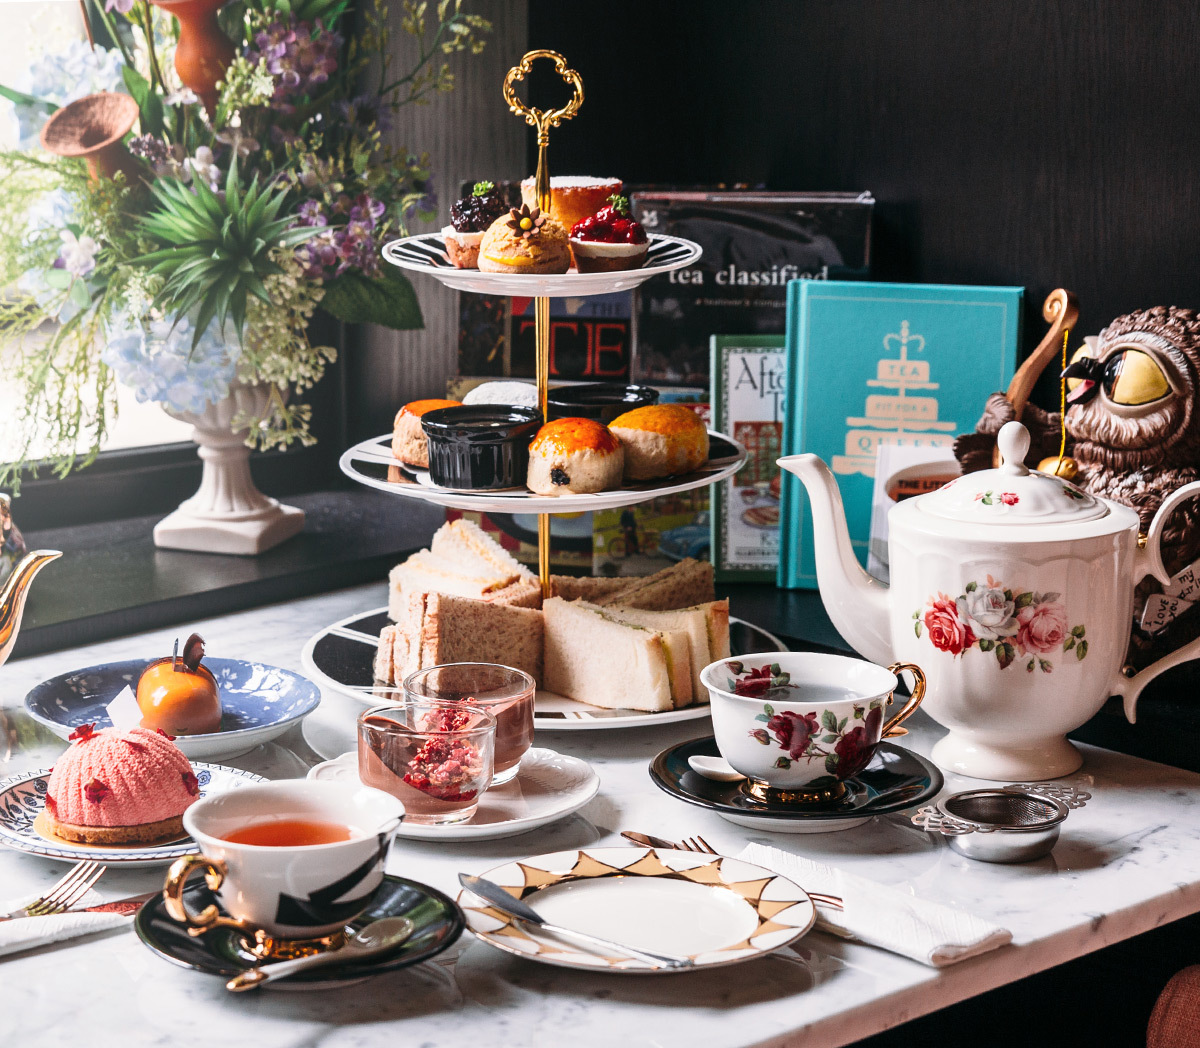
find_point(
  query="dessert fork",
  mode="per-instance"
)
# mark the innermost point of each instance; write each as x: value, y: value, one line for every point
x: 699, y: 844
x: 62, y: 895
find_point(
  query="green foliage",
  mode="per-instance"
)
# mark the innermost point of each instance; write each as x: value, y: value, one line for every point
x: 215, y: 252
x: 387, y: 299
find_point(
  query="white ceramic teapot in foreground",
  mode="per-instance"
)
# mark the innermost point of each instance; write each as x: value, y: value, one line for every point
x: 1014, y: 590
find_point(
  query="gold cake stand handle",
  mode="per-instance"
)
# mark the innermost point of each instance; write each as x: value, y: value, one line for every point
x: 541, y: 121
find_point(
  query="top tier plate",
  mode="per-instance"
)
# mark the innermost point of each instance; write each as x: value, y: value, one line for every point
x: 427, y: 254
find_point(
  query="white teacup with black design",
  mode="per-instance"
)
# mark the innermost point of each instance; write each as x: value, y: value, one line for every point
x: 294, y: 859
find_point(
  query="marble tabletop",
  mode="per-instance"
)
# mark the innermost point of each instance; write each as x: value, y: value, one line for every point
x: 1127, y: 862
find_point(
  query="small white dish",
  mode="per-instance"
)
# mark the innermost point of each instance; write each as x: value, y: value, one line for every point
x: 23, y: 798
x: 550, y: 786
x: 710, y: 908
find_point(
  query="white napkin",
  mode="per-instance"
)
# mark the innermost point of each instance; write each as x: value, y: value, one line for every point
x: 880, y: 916
x: 27, y: 933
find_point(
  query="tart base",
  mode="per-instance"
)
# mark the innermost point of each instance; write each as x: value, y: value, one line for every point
x: 146, y: 833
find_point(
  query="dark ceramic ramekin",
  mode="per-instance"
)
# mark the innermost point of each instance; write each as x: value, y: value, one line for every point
x: 480, y: 447
x: 602, y: 401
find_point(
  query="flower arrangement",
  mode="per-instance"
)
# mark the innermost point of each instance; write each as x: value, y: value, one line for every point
x: 1008, y: 624
x: 197, y: 254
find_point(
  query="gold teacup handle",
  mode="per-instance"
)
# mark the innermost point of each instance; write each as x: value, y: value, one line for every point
x: 892, y: 729
x: 177, y: 878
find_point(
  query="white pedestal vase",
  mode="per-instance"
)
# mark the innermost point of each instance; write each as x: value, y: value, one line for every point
x: 228, y: 514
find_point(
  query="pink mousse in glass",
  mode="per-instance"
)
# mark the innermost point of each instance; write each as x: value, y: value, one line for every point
x: 503, y: 691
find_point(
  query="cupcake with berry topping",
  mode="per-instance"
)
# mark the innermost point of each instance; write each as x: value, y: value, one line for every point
x: 525, y: 241
x: 469, y: 220
x: 609, y: 240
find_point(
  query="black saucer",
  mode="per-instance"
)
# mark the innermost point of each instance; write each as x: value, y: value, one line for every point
x: 895, y: 779
x: 437, y: 921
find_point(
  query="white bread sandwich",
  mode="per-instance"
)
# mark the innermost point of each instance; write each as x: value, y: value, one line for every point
x: 465, y: 562
x: 591, y: 658
x: 677, y: 644
x: 436, y: 628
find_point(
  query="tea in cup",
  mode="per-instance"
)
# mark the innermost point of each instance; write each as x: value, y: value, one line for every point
x: 802, y: 722
x: 293, y: 859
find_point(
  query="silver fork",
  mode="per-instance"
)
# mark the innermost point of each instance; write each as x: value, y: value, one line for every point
x: 62, y: 895
x: 699, y: 844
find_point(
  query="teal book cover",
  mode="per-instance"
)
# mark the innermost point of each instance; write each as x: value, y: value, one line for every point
x: 871, y: 364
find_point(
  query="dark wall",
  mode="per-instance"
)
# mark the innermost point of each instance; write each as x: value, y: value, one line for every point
x: 1041, y: 143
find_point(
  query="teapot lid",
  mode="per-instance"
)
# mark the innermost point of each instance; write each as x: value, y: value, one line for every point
x: 1013, y: 493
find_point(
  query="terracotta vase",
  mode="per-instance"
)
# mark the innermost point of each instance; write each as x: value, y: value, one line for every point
x: 92, y: 128
x: 228, y: 514
x: 204, y: 51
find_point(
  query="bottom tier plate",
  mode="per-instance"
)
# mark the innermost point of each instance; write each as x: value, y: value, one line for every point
x: 341, y: 657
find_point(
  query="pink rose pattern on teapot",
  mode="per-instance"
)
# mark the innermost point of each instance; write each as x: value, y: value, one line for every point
x: 1028, y: 625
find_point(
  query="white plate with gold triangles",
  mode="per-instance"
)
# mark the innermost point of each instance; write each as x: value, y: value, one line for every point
x: 712, y: 909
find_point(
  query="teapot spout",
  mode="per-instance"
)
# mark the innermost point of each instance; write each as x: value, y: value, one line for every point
x: 14, y: 594
x: 856, y: 603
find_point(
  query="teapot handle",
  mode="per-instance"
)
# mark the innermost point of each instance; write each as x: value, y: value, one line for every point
x: 1150, y: 562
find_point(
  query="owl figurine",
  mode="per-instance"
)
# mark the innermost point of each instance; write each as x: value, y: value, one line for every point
x: 1133, y: 433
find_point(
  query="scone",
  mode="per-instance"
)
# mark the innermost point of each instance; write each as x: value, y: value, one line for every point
x: 572, y: 197
x: 574, y: 456
x: 120, y: 787
x: 661, y: 440
x: 408, y: 438
x: 525, y: 241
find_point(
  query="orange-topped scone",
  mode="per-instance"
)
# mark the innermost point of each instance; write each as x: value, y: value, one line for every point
x: 661, y: 440
x: 525, y: 241
x: 572, y: 197
x: 178, y: 695
x: 408, y: 438
x: 120, y: 787
x: 574, y: 456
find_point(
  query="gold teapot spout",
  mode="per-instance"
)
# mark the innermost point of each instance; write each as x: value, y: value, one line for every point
x: 12, y: 597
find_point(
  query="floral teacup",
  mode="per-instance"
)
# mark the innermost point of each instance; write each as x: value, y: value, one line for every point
x: 802, y: 722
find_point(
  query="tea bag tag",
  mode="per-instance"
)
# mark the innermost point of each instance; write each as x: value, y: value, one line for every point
x: 124, y: 711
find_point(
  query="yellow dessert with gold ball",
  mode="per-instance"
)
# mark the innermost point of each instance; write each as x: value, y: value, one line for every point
x: 525, y: 241
x: 661, y: 440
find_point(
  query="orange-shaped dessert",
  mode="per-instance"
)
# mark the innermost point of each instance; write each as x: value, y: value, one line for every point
x: 408, y: 438
x: 178, y: 695
x: 120, y: 787
x: 661, y: 440
x: 576, y: 456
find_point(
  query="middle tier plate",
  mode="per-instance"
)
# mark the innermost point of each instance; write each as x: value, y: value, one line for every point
x: 341, y: 657
x: 369, y: 462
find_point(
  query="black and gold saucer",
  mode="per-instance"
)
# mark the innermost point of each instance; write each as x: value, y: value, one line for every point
x: 437, y: 923
x: 895, y: 779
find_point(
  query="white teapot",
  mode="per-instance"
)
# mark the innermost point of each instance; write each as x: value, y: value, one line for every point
x: 1014, y: 591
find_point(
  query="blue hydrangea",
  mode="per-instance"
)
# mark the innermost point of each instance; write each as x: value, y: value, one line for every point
x: 63, y: 76
x: 160, y: 365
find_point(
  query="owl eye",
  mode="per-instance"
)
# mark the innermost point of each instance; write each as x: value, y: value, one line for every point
x: 1079, y: 354
x: 1132, y: 377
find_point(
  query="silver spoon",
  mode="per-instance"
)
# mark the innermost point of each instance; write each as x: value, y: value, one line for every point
x: 377, y: 937
x: 716, y: 768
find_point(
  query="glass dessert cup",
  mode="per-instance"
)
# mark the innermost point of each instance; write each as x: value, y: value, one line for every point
x: 435, y: 757
x: 503, y: 691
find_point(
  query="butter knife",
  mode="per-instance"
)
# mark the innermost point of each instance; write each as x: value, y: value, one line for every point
x: 492, y: 893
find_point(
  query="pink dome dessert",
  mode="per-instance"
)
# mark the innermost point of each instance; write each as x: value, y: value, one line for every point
x: 120, y: 787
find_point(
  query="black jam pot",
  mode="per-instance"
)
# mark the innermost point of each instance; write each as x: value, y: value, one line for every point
x: 480, y: 447
x: 602, y: 401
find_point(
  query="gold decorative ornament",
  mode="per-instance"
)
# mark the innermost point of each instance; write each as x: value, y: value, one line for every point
x: 541, y: 121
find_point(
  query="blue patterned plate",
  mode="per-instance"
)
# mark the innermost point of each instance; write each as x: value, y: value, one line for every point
x: 258, y: 703
x: 22, y: 798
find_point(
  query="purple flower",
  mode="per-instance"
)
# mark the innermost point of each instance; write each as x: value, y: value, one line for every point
x: 311, y: 214
x: 120, y: 6
x: 299, y: 56
x: 367, y: 110
x: 367, y: 210
x: 149, y: 148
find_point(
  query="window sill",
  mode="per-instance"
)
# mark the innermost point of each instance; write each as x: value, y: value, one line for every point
x: 112, y: 580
